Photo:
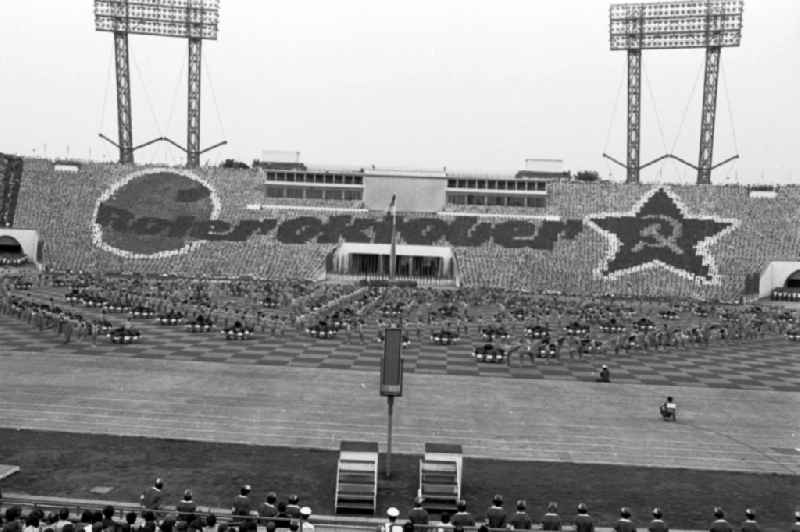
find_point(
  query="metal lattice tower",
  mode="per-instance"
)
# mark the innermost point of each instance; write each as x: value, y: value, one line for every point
x: 634, y: 113
x: 195, y: 20
x: 193, y: 107
x: 707, y: 119
x: 124, y: 113
x: 709, y: 24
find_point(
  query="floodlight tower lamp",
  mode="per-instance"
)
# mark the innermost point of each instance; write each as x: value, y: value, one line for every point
x: 194, y: 20
x: 709, y: 24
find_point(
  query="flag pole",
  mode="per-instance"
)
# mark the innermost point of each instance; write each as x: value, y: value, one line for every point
x: 393, y: 247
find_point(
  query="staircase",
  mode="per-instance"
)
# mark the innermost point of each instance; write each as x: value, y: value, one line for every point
x: 357, y: 477
x: 440, y: 476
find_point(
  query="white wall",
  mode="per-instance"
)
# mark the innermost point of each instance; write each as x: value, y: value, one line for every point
x: 414, y: 194
x: 27, y: 238
x: 775, y: 275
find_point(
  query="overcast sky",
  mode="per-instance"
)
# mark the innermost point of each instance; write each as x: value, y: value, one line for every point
x: 467, y: 84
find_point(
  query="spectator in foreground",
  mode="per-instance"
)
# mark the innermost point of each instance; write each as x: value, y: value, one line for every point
x: 462, y: 517
x: 444, y: 524
x: 496, y: 515
x: 624, y: 523
x: 210, y: 523
x: 86, y: 521
x: 305, y: 524
x: 720, y: 524
x: 583, y: 521
x: 658, y: 524
x: 241, y: 503
x: 108, y: 518
x: 521, y: 520
x: 796, y: 525
x: 63, y: 520
x: 186, y: 507
x: 750, y: 524
x: 149, y: 521
x: 391, y: 525
x: 151, y: 499
x: 551, y: 519
x: 293, y: 508
x: 268, y: 508
x: 418, y: 515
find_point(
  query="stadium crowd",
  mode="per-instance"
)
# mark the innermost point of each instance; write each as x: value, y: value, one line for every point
x: 249, y: 515
x: 61, y: 208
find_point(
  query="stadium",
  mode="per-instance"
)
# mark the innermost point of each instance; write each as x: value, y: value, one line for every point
x: 215, y: 347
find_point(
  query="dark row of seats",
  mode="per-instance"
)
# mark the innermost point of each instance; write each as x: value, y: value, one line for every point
x: 10, y: 181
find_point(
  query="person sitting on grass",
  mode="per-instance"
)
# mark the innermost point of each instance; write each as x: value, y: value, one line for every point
x: 669, y: 410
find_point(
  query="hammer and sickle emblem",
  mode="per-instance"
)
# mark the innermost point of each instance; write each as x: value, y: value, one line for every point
x: 653, y: 237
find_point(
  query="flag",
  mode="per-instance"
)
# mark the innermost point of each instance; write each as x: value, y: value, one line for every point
x: 393, y: 205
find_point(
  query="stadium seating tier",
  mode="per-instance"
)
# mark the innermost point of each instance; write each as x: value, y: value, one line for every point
x: 724, y: 237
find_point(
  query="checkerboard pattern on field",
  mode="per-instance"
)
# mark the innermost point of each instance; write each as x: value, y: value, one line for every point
x: 769, y: 363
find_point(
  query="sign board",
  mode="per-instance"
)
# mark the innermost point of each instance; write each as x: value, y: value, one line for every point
x: 392, y: 365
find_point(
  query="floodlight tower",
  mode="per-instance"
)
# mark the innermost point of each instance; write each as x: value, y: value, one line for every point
x: 709, y: 24
x: 194, y: 20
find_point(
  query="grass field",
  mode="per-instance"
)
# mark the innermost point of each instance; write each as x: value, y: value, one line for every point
x: 67, y: 464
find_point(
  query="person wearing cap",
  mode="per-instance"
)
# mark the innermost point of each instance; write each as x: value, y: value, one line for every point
x: 151, y: 499
x: 496, y: 515
x: 268, y: 507
x: 551, y: 520
x: 624, y: 523
x: 418, y: 515
x: 520, y: 520
x: 293, y: 508
x: 605, y: 375
x: 186, y: 507
x: 583, y: 521
x: 720, y: 524
x: 305, y: 524
x: 796, y: 525
x: 462, y: 517
x: 391, y: 525
x: 658, y: 524
x: 241, y: 503
x: 750, y: 524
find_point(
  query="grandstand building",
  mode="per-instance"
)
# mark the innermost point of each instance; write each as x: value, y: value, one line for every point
x: 530, y: 232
